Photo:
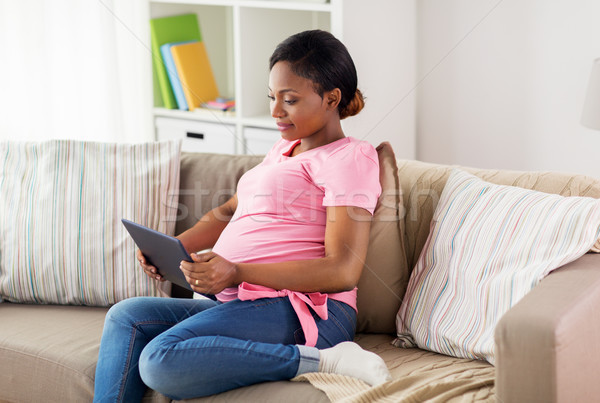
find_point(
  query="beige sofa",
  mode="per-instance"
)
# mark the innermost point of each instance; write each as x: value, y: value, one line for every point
x: 547, y: 345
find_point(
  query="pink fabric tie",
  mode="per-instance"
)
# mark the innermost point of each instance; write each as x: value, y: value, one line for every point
x: 300, y: 302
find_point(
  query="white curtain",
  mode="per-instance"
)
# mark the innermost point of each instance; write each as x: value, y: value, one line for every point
x: 75, y: 69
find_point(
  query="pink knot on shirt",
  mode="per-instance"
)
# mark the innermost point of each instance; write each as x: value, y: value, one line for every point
x: 300, y: 302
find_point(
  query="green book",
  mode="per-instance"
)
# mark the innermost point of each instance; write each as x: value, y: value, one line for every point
x: 164, y: 30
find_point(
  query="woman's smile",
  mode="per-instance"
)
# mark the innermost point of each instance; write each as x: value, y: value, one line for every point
x: 284, y: 126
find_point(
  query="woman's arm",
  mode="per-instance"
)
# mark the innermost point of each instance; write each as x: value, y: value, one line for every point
x: 202, y: 235
x: 346, y: 242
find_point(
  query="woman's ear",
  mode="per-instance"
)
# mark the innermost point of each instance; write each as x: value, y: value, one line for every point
x: 333, y: 98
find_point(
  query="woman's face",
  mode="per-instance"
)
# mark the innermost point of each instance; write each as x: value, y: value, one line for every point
x: 299, y: 111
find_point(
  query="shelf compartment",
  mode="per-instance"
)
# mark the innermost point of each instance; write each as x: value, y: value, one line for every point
x: 198, y: 136
x: 217, y: 34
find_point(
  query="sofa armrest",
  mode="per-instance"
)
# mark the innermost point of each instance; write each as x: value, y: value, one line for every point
x: 547, y: 345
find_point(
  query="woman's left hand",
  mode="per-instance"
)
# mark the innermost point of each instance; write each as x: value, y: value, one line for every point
x: 209, y: 273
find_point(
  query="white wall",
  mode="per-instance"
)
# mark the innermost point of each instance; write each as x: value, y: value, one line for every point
x: 504, y: 81
x: 386, y: 65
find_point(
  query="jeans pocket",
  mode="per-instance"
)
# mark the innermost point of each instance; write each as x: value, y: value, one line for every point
x: 344, y: 318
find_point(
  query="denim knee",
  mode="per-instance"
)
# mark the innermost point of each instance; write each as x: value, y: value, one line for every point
x: 161, y: 369
x: 149, y: 367
x: 155, y: 372
x: 124, y: 311
x: 153, y: 368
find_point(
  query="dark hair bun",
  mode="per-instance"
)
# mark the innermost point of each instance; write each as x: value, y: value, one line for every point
x: 355, y: 105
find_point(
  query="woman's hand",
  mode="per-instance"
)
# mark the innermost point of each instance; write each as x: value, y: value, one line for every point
x: 148, y: 268
x: 209, y: 273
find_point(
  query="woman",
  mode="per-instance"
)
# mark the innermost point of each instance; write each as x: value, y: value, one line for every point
x: 299, y: 224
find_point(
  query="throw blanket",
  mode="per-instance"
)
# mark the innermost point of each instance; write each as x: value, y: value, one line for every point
x: 418, y: 376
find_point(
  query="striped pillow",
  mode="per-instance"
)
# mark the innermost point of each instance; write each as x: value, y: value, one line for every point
x: 489, y: 245
x: 61, y: 202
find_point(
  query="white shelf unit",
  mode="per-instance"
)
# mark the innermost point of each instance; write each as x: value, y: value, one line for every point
x: 240, y: 36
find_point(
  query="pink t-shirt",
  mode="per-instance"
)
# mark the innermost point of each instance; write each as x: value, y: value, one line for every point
x: 281, y: 212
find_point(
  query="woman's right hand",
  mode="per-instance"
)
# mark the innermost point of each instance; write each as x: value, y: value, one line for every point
x: 148, y: 268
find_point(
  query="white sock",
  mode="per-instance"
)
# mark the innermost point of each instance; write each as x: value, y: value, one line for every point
x: 349, y: 359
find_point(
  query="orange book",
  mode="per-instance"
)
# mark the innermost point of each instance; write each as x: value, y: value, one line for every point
x: 195, y: 73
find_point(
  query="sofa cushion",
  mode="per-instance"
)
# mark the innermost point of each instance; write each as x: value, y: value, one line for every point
x: 422, y: 183
x: 489, y: 245
x: 49, y: 352
x: 385, y: 273
x: 61, y: 202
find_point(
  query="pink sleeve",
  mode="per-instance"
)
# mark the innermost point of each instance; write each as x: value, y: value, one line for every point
x: 351, y: 177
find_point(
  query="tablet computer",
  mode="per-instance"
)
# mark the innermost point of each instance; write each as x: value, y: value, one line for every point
x: 162, y: 251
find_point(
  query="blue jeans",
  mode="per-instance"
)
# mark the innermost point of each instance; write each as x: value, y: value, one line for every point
x: 187, y: 348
